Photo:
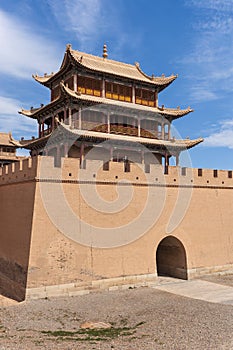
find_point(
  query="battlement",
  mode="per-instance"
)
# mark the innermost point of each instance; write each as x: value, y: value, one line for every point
x: 197, y: 177
x: 23, y: 170
x: 98, y: 171
x: 112, y: 172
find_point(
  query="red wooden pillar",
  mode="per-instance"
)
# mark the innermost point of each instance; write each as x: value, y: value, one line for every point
x: 70, y: 116
x: 163, y: 132
x: 133, y: 93
x: 156, y: 99
x: 166, y: 165
x: 108, y: 123
x: 139, y: 127
x: 42, y: 129
x: 81, y: 155
x: 53, y: 122
x: 75, y: 83
x: 39, y: 129
x: 103, y: 88
x: 80, y: 118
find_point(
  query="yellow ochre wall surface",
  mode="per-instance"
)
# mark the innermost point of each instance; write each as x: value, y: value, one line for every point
x: 71, y: 226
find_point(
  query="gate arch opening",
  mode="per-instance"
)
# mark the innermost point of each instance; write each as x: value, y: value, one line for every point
x: 171, y: 258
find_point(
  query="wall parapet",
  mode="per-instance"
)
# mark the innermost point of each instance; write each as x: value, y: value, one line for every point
x: 96, y: 171
x: 19, y: 171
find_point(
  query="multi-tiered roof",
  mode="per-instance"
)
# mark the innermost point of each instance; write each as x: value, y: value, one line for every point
x: 7, y: 149
x: 101, y: 99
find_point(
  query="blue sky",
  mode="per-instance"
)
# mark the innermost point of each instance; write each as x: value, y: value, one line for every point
x: 191, y: 38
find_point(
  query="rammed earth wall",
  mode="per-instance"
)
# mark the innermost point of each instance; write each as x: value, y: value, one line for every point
x: 17, y: 193
x: 49, y: 218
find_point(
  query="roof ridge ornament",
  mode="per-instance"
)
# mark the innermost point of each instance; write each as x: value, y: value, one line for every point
x: 68, y: 47
x: 105, y: 51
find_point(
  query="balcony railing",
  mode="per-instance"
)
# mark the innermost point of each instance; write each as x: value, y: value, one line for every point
x: 121, y: 129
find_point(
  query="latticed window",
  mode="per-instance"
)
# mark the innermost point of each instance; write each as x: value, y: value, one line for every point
x: 7, y: 150
x: 89, y: 86
x: 118, y: 92
x: 145, y: 97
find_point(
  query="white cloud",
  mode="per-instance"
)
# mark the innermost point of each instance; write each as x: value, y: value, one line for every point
x: 10, y: 120
x: 94, y: 22
x: 82, y: 17
x: 8, y: 105
x: 221, y: 138
x: 22, y: 51
x: 211, y: 57
x: 218, y: 23
x: 219, y: 5
x: 18, y: 125
x: 202, y: 94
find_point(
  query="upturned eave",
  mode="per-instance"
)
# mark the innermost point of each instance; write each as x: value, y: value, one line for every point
x: 65, y: 92
x: 105, y: 66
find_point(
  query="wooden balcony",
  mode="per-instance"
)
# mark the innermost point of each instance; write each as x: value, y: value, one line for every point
x: 119, y: 129
x: 125, y: 130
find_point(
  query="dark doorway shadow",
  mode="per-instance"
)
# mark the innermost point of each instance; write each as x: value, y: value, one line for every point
x: 171, y: 258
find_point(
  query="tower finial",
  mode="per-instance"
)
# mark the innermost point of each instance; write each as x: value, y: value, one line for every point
x: 68, y: 47
x: 105, y: 51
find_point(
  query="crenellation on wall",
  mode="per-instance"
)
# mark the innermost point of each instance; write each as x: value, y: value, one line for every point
x: 23, y: 170
x: 94, y: 171
x: 199, y: 177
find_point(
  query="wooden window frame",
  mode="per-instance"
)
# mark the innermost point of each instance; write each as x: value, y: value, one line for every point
x: 89, y: 86
x: 145, y: 97
x: 116, y: 91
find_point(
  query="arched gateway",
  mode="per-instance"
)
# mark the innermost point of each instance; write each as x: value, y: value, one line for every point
x: 171, y: 258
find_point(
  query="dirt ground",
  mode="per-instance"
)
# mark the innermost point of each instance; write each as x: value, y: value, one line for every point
x: 142, y: 318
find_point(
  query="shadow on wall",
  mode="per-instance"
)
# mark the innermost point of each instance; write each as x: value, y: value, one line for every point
x: 13, y: 280
x: 16, y: 214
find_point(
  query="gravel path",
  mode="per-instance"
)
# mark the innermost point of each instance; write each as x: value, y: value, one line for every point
x: 142, y: 318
